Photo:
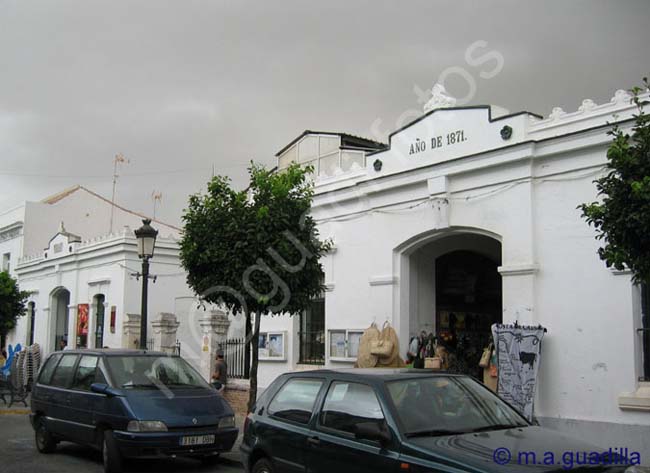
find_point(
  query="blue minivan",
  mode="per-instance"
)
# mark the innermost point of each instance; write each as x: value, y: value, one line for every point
x: 129, y: 403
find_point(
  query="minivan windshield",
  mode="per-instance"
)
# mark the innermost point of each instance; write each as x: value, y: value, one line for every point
x: 149, y: 372
x: 447, y: 405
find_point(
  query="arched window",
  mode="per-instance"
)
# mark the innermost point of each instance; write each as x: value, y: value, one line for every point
x: 98, y: 306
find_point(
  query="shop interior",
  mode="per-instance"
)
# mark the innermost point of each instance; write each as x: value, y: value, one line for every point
x: 455, y: 297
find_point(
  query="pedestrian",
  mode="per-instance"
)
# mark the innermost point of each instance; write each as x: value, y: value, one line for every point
x: 63, y: 344
x: 220, y: 376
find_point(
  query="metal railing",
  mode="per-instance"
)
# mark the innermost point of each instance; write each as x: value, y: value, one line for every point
x: 312, y: 347
x: 234, y: 354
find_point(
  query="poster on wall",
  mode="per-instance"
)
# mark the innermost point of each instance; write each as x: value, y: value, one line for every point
x: 113, y: 314
x: 276, y: 345
x: 82, y: 325
x: 518, y: 351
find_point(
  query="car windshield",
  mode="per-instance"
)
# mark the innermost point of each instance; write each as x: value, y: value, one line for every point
x: 150, y: 372
x: 446, y: 405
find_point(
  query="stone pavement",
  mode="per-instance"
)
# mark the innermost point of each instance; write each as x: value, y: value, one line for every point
x: 18, y: 455
x: 16, y: 408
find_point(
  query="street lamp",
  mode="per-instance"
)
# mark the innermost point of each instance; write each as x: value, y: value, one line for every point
x: 146, y: 236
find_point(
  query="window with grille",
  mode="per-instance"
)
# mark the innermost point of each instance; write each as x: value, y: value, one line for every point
x: 312, y: 334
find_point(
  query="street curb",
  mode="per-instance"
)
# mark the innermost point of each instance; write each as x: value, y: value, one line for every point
x: 6, y: 412
x: 232, y: 456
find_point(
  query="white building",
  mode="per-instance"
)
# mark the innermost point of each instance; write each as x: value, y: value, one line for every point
x: 85, y: 262
x: 469, y: 210
x: 473, y: 210
x: 80, y: 272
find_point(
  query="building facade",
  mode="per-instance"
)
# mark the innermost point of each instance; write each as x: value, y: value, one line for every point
x: 472, y: 211
x: 75, y: 253
x: 69, y: 249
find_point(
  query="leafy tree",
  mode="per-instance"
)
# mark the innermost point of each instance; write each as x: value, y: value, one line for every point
x: 255, y: 251
x: 622, y: 217
x: 12, y: 305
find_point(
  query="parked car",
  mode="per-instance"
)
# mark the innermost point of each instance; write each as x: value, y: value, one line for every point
x: 394, y: 420
x: 129, y: 403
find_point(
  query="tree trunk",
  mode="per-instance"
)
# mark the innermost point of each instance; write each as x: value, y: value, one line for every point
x: 254, y: 342
x: 247, y: 351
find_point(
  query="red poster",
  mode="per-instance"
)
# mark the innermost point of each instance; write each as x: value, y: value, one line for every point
x: 82, y: 320
x: 113, y: 310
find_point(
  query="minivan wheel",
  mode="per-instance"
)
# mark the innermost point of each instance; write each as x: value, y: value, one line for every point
x: 111, y: 454
x: 262, y: 466
x: 44, y: 441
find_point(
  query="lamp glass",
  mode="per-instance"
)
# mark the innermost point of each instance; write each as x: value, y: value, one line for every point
x: 146, y: 240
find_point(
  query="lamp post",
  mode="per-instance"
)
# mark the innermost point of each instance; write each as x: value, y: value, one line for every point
x: 146, y: 236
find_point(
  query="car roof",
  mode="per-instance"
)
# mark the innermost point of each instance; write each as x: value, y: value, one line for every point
x: 113, y: 352
x: 373, y: 374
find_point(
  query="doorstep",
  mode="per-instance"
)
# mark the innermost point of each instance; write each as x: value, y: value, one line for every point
x: 13, y: 410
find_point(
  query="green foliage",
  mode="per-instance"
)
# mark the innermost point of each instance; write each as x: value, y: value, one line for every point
x: 255, y: 250
x: 12, y: 303
x: 622, y: 217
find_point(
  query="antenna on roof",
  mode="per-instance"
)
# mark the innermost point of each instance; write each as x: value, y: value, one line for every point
x: 119, y: 158
x: 156, y: 196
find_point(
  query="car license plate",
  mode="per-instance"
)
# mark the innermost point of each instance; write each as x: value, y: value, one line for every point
x: 197, y: 440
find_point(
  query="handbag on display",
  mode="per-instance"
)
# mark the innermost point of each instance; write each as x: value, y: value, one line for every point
x: 386, y: 348
x: 434, y: 362
x: 365, y: 359
x: 381, y: 347
x: 485, y: 358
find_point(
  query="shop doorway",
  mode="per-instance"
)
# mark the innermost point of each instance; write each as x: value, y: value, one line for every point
x: 453, y: 293
x: 468, y: 302
x: 60, y: 303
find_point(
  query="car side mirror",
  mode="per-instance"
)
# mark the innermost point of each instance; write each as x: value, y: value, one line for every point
x: 372, y: 431
x: 102, y: 388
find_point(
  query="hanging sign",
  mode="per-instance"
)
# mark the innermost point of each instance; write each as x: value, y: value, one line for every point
x: 518, y: 350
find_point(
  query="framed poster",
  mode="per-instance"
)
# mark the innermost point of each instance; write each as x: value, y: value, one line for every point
x: 82, y: 325
x: 272, y: 346
x: 337, y: 344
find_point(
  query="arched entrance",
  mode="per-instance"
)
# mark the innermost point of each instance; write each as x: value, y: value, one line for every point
x: 450, y: 288
x: 59, y: 305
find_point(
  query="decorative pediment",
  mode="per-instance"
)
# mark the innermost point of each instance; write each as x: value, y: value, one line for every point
x: 62, y: 244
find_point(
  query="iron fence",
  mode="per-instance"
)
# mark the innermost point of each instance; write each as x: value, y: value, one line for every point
x: 234, y: 354
x: 312, y: 347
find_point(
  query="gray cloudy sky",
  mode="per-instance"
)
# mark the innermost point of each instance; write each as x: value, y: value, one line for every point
x: 180, y: 86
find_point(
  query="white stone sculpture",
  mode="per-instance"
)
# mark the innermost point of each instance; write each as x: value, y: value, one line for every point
x: 439, y: 98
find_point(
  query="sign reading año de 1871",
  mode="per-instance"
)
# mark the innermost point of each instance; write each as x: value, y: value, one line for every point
x: 436, y: 142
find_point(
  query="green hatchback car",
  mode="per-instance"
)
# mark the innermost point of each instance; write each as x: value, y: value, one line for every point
x: 400, y: 420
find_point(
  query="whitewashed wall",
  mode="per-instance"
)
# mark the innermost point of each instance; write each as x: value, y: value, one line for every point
x: 522, y: 192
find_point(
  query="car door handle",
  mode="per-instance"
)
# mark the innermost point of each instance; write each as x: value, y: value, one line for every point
x: 315, y: 441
